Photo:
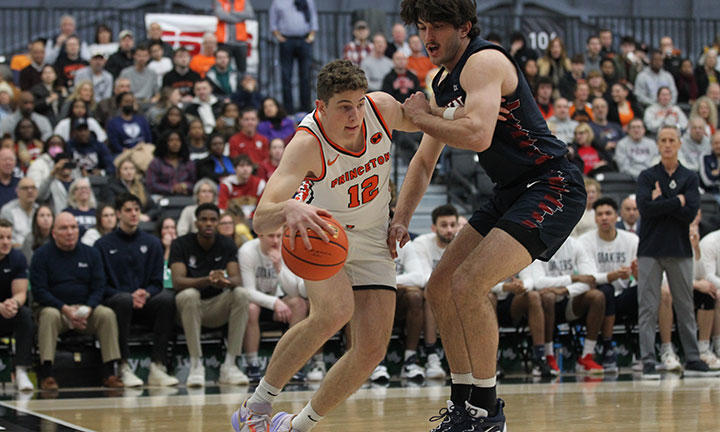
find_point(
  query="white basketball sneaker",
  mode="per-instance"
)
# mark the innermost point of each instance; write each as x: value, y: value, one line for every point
x: 670, y: 362
x: 158, y: 376
x: 232, y: 375
x: 128, y: 378
x: 196, y: 377
x: 433, y: 367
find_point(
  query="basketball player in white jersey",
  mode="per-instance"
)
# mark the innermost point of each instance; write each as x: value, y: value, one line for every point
x: 341, y: 155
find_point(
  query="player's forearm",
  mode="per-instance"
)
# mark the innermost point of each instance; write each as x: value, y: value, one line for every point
x: 269, y: 217
x: 460, y: 133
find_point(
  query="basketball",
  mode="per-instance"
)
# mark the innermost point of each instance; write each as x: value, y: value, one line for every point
x: 323, y: 260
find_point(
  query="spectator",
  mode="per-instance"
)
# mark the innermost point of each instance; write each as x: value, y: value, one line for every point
x: 706, y: 109
x: 56, y: 46
x: 418, y: 62
x: 686, y: 83
x: 247, y: 95
x: 27, y: 143
x: 706, y: 72
x: 242, y: 190
x: 128, y: 129
x: 167, y: 235
x: 25, y: 109
x: 359, y: 48
x: 399, y: 41
x: 20, y: 210
x: 614, y: 253
x: 54, y: 188
x: 160, y: 62
x: 223, y: 77
x: 400, y: 83
x: 663, y: 113
x: 81, y: 204
x: 651, y: 79
x: 128, y: 180
x: 143, y: 81
x: 519, y: 50
x: 172, y: 119
x: 104, y: 44
x: 609, y: 71
x: 154, y: 36
x: 713, y: 92
x: 630, y: 62
x: 593, y: 55
x: 267, y: 167
x: 83, y: 91
x: 274, y: 122
x: 569, y: 81
x: 205, y: 191
x: 66, y: 276
x: 376, y: 65
x: 568, y: 284
x: 79, y: 110
x: 560, y: 123
x: 90, y: 155
x: 171, y: 172
x: 124, y: 56
x: 671, y: 55
x: 228, y: 124
x: 102, y: 80
x: 42, y: 221
x: 274, y: 292
x: 15, y: 314
x: 597, y: 85
x: 620, y: 108
x: 168, y: 98
x: 8, y: 180
x: 587, y: 221
x: 593, y: 160
x: 205, y: 59
x: 30, y: 75
x: 181, y: 77
x: 49, y: 95
x: 294, y: 26
x: 248, y: 140
x: 543, y: 97
x: 42, y: 166
x: 205, y: 105
x: 205, y: 296
x: 710, y: 168
x: 238, y: 228
x: 197, y: 140
x: 70, y: 62
x: 694, y: 145
x: 234, y: 37
x: 105, y: 222
x: 133, y: 262
x: 635, y: 152
x: 530, y: 71
x: 580, y: 109
x: 108, y: 108
x: 668, y: 199
x: 216, y: 166
x: 629, y: 215
x: 7, y: 100
x: 607, y: 133
x: 554, y: 64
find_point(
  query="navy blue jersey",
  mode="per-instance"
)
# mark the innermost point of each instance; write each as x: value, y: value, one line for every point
x: 520, y: 143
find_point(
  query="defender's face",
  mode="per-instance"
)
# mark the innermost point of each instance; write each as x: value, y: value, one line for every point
x: 343, y: 114
x: 442, y: 40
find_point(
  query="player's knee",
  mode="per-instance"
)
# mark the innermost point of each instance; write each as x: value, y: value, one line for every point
x: 240, y: 296
x: 253, y: 313
x: 333, y: 319
x: 548, y: 299
x: 596, y: 297
x: 373, y: 352
x: 534, y: 299
x: 189, y: 297
x: 415, y: 300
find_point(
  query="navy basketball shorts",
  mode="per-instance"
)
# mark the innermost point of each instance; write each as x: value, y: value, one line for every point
x: 540, y: 212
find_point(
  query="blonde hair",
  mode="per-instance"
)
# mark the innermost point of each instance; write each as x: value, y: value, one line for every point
x: 92, y: 202
x: 712, y: 117
x: 585, y: 127
x: 75, y: 95
x: 589, y: 181
x: 136, y: 186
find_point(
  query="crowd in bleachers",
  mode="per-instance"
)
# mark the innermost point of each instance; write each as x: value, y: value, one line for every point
x: 96, y: 138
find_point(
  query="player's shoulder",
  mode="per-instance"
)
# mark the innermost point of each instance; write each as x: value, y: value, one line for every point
x: 627, y: 235
x: 250, y: 246
x: 711, y: 237
x: 588, y: 238
x: 424, y: 239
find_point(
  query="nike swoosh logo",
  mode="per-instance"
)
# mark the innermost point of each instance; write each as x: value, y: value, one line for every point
x: 312, y: 419
x: 529, y: 185
x: 330, y: 162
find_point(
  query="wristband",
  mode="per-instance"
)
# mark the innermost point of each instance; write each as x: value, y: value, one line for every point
x: 449, y: 113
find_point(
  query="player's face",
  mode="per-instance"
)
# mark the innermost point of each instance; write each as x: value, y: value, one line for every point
x: 442, y: 40
x: 207, y: 222
x: 605, y: 218
x: 343, y: 114
x: 445, y: 228
x: 5, y: 240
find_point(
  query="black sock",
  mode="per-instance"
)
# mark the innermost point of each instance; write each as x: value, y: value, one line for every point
x: 607, y: 345
x: 485, y: 398
x: 108, y: 369
x: 432, y: 349
x: 459, y: 394
x: 46, y: 369
x: 539, y: 352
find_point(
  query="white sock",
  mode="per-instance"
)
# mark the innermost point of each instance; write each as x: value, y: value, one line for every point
x: 666, y: 347
x: 704, y: 346
x: 716, y: 342
x: 465, y: 378
x: 484, y: 382
x: 229, y: 360
x: 549, y: 349
x: 306, y: 419
x: 589, y: 347
x: 251, y: 358
x: 409, y: 353
x: 264, y: 393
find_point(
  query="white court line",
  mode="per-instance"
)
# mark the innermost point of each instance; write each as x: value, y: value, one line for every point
x: 45, y: 417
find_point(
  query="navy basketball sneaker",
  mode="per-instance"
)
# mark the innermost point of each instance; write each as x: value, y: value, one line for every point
x: 480, y: 422
x: 454, y: 418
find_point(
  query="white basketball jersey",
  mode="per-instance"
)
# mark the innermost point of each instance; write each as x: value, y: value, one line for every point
x: 353, y: 186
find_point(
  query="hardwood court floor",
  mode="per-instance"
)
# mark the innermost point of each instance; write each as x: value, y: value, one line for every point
x: 668, y: 405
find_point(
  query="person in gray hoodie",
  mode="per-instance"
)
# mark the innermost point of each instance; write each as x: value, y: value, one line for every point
x: 635, y: 152
x: 695, y: 145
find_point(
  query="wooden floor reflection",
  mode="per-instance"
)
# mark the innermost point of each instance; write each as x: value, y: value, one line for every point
x: 668, y: 405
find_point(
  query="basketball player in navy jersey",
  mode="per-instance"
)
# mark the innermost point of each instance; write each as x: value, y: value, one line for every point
x: 538, y: 199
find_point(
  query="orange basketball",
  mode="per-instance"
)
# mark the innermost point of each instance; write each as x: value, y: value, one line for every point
x: 323, y: 260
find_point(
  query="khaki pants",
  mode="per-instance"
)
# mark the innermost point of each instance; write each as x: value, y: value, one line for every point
x: 230, y: 307
x: 101, y: 323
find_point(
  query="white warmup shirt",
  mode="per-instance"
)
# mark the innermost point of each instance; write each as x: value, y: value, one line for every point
x: 410, y: 271
x: 570, y: 259
x: 610, y: 256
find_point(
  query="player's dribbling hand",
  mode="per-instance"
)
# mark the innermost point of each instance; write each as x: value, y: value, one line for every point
x: 301, y: 217
x: 416, y: 104
x: 397, y: 233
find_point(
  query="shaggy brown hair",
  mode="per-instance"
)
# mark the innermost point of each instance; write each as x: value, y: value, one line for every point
x: 339, y: 76
x: 454, y: 12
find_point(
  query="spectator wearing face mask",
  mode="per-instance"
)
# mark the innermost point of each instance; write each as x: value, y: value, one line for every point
x: 129, y: 128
